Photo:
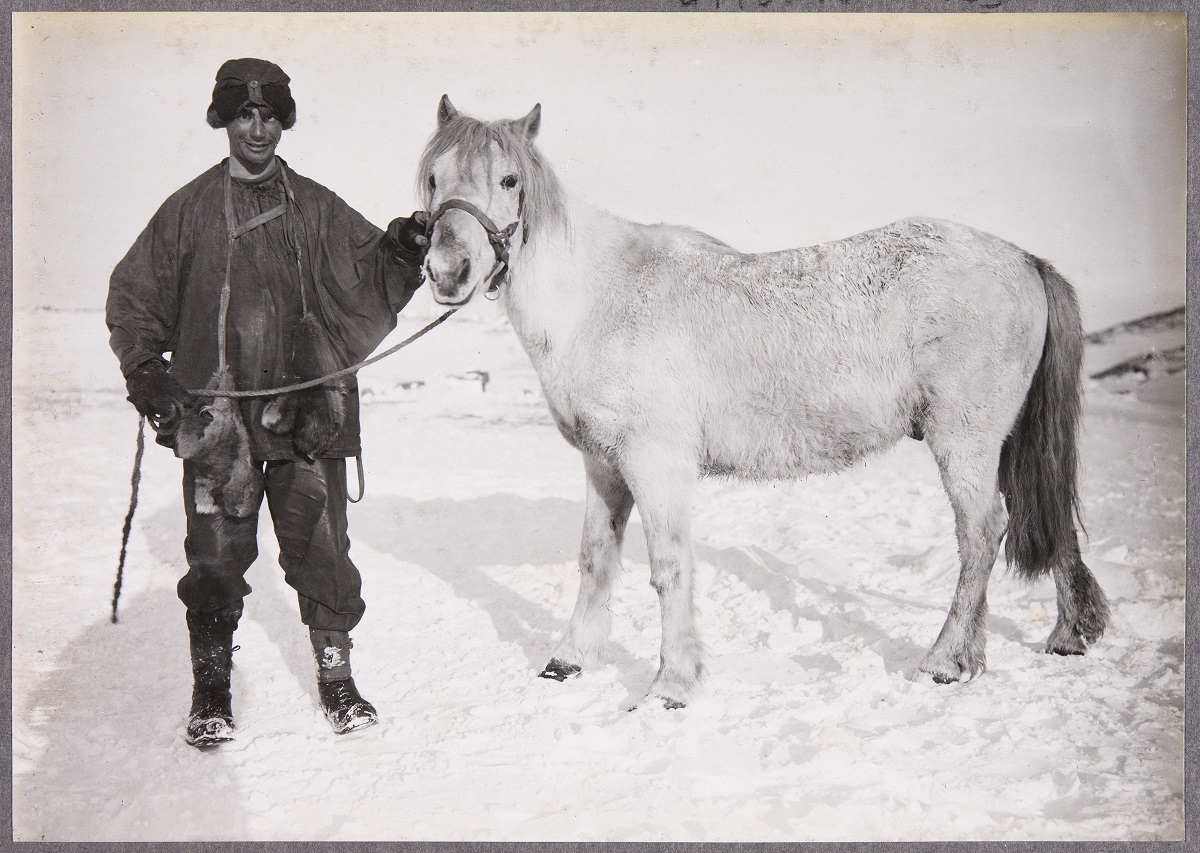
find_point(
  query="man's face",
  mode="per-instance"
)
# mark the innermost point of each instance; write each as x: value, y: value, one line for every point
x: 252, y: 139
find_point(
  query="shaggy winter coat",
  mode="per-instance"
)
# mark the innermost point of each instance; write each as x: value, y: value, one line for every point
x: 665, y: 355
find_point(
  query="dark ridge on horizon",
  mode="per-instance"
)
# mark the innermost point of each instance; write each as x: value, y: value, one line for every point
x: 1171, y: 319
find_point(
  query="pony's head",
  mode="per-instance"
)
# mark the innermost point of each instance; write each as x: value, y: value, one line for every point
x: 487, y: 190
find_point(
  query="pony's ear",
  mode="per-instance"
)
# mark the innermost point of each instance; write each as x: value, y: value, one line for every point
x: 528, y: 126
x: 446, y: 111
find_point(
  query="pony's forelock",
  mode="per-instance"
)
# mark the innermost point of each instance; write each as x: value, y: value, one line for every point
x: 545, y: 204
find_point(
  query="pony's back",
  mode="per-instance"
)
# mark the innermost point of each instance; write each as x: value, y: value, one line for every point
x: 802, y: 361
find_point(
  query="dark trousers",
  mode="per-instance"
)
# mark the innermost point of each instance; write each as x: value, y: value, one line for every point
x: 308, y: 508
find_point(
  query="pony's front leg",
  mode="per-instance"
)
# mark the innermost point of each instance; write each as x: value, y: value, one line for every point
x: 607, y: 507
x: 662, y: 485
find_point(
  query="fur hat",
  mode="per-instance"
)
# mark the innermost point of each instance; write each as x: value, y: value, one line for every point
x: 245, y: 83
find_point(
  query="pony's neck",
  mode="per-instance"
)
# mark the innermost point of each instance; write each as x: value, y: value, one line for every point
x: 556, y: 278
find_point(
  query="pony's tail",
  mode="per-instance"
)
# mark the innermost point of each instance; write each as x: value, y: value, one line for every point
x: 1040, y: 458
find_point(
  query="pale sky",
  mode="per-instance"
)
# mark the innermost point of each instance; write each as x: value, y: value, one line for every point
x: 1061, y: 133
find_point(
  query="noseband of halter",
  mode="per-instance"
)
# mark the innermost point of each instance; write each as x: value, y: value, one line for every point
x: 500, y: 238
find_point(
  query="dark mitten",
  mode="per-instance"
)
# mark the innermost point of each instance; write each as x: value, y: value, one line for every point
x: 313, y: 416
x: 157, y: 395
x: 408, y: 239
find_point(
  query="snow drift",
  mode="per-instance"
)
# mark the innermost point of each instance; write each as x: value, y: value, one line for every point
x: 817, y: 599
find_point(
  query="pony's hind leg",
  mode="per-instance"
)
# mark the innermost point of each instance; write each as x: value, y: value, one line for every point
x: 607, y: 507
x: 969, y: 476
x: 1082, y: 607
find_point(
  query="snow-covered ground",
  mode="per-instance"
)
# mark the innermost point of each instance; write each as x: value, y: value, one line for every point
x: 817, y: 599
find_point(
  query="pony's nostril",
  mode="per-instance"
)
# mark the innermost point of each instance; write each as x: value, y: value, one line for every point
x: 427, y: 269
x: 463, y: 272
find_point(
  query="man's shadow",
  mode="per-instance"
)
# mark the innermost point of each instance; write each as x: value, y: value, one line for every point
x: 116, y: 704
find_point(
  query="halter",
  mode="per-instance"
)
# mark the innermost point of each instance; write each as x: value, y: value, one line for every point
x: 500, y: 238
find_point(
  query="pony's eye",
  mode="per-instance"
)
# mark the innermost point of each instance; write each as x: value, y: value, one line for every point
x: 508, y: 181
x: 432, y: 182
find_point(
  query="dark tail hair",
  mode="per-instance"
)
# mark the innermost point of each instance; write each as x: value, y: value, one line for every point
x: 1039, y: 460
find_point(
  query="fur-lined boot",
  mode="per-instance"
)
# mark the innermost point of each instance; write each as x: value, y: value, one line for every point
x: 345, y: 709
x: 313, y: 416
x: 215, y: 440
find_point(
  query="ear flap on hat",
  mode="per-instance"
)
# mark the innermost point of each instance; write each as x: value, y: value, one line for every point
x: 214, y: 120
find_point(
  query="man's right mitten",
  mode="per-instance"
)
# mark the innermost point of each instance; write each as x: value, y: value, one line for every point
x: 156, y: 394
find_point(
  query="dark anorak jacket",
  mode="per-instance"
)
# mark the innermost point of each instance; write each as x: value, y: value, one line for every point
x: 165, y: 294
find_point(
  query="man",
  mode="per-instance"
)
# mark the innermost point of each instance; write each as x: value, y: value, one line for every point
x: 254, y: 277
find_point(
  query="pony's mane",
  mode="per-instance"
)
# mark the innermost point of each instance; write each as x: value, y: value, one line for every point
x: 545, y: 202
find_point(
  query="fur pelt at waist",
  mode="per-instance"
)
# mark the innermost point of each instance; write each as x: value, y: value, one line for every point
x: 313, y: 416
x: 214, y: 439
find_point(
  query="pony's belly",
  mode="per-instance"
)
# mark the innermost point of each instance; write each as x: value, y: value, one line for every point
x: 762, y: 451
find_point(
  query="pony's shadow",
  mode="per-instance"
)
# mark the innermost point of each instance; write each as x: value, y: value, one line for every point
x: 457, y: 540
x: 763, y: 572
x: 780, y: 582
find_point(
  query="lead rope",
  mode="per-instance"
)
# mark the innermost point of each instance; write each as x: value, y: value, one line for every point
x: 311, y: 383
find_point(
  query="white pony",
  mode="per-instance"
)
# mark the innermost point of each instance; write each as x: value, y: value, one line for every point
x: 666, y: 355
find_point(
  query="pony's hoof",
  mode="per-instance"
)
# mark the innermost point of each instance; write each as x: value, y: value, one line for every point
x: 560, y: 670
x: 667, y: 702
x: 1065, y: 650
x: 1065, y: 641
x: 964, y: 675
x: 952, y: 667
x: 942, y: 670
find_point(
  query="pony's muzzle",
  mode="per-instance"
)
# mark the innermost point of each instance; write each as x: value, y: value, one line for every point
x: 449, y: 278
